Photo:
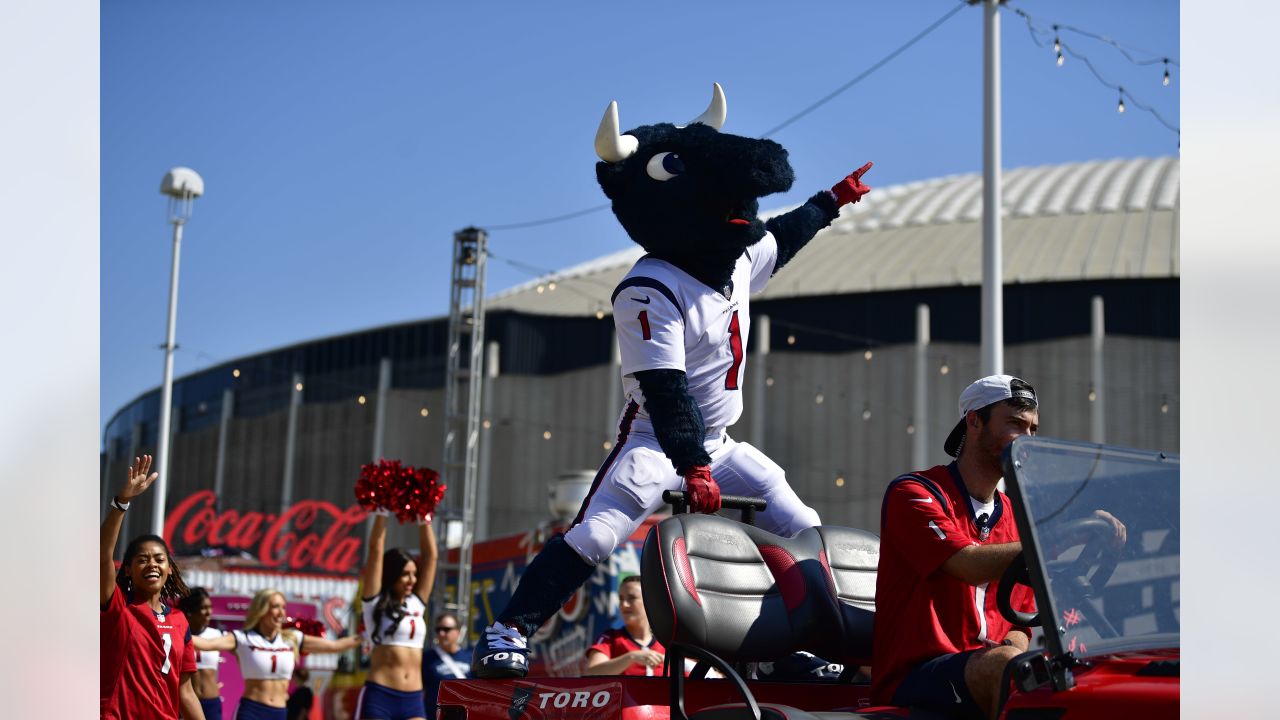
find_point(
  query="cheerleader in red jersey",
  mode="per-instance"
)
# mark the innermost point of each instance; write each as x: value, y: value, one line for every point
x: 631, y: 649
x: 198, y: 609
x: 147, y: 660
x: 395, y: 623
x: 265, y: 650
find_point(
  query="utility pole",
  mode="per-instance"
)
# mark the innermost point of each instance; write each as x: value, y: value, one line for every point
x: 992, y: 266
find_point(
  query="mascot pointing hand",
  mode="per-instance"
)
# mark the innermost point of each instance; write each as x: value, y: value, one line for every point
x: 689, y: 195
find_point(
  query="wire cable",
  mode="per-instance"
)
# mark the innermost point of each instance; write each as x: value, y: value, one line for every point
x: 884, y: 61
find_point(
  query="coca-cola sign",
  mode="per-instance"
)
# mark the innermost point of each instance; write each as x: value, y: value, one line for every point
x: 309, y: 535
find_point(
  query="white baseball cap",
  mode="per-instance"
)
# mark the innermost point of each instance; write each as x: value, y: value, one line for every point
x: 981, y: 393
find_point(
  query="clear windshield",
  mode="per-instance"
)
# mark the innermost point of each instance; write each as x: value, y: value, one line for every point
x: 1104, y: 595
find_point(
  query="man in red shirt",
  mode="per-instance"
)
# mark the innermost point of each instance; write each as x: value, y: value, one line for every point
x: 946, y: 536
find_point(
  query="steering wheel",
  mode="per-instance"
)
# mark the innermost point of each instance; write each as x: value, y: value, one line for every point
x: 1099, y: 554
x: 1015, y: 574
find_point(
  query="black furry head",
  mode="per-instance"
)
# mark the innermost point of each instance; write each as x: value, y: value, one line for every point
x: 690, y: 195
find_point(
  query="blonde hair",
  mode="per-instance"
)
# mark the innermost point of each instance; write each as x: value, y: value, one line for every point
x: 258, y: 608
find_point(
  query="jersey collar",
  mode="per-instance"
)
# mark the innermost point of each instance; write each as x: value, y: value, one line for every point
x: 983, y: 530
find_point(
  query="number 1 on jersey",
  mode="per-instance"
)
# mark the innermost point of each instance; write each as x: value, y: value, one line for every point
x: 735, y: 345
x: 167, y: 641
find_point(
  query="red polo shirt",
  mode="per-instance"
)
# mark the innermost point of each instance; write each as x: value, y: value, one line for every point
x: 921, y: 611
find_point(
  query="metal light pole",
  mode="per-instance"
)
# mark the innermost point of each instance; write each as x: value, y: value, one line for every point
x: 992, y: 266
x: 182, y: 185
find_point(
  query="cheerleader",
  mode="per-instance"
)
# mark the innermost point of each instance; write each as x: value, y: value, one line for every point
x: 147, y: 660
x: 199, y: 608
x: 395, y: 623
x: 265, y: 650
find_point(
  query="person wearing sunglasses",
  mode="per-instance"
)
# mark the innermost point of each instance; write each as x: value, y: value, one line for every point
x: 446, y: 660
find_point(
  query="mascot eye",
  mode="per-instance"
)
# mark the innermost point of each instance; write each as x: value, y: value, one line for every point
x: 664, y: 166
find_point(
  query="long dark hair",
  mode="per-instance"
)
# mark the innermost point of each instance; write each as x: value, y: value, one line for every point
x: 393, y: 562
x: 190, y: 605
x: 175, y: 588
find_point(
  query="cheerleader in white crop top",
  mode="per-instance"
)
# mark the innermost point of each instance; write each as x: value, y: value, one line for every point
x: 199, y: 609
x: 395, y: 623
x: 266, y: 652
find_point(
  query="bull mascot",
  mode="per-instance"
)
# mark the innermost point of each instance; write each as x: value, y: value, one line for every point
x: 689, y: 195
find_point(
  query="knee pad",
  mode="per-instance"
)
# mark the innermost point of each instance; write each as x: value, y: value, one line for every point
x: 593, y: 540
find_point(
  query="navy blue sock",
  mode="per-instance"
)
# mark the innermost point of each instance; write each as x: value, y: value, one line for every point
x: 546, y: 584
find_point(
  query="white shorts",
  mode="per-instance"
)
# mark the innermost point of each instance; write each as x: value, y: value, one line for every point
x: 629, y: 486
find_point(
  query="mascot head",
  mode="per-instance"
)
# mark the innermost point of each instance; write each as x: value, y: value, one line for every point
x: 689, y: 194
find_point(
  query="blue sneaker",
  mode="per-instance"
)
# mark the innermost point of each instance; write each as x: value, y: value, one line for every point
x: 501, y: 653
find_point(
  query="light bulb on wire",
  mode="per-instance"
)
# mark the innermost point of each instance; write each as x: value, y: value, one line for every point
x: 1120, y: 107
x: 1060, y: 59
x: 1165, y: 81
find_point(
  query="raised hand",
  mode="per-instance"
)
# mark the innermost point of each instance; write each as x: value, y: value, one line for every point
x: 139, y: 479
x: 851, y: 189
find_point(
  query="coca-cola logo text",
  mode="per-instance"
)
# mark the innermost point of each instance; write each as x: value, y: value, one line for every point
x: 277, y: 540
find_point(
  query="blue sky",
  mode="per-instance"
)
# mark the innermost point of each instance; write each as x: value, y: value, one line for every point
x: 341, y: 144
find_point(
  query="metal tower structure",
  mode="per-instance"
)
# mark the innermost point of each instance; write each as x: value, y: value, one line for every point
x: 463, y: 380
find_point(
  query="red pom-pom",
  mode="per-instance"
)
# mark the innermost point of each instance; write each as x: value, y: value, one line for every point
x: 415, y: 493
x: 306, y: 626
x: 408, y: 492
x: 374, y: 485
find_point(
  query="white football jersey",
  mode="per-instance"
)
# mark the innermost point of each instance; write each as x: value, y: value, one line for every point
x: 208, y: 659
x: 410, y: 632
x: 264, y: 659
x: 665, y: 319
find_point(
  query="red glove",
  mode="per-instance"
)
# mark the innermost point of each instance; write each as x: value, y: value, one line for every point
x: 702, y: 490
x: 851, y: 189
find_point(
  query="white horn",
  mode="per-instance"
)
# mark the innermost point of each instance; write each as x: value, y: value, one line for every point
x: 716, y: 111
x: 610, y: 146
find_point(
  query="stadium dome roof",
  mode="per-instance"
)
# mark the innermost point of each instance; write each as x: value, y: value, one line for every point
x: 1096, y: 220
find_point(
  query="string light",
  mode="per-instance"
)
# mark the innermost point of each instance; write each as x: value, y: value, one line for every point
x: 1092, y: 394
x: 817, y: 399
x: 866, y: 412
x: 911, y: 428
x: 361, y: 400
x: 298, y: 387
x: 424, y: 412
x: 1061, y: 49
x: 541, y: 288
x: 551, y: 286
x: 487, y: 424
x: 944, y: 368
x: 791, y: 339
x: 235, y: 372
x: 599, y: 314
x: 607, y: 445
x: 839, y: 481
x: 1164, y: 404
x: 866, y: 355
x: 546, y: 434
x: 768, y: 381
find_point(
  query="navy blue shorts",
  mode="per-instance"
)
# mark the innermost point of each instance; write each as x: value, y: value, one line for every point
x: 379, y: 702
x: 212, y: 708
x: 939, y: 685
x: 254, y: 710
